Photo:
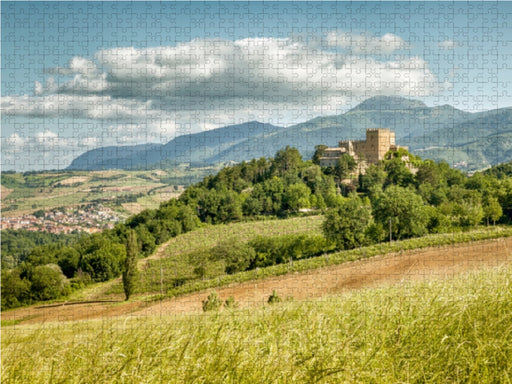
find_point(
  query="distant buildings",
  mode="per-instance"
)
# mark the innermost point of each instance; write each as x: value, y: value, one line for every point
x: 90, y: 218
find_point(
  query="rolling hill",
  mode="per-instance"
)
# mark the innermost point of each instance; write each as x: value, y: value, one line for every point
x: 466, y: 140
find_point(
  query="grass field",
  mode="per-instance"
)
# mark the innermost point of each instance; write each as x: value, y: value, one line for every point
x: 450, y: 331
x: 170, y: 265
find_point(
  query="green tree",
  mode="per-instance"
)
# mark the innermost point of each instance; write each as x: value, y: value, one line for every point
x: 48, y: 282
x: 492, y: 210
x: 404, y: 210
x: 15, y: 290
x: 296, y: 197
x: 397, y: 173
x: 347, y: 225
x: 374, y: 176
x: 286, y: 160
x: 236, y: 255
x: 319, y: 152
x: 212, y: 303
x: 68, y: 259
x: 345, y: 165
x: 130, y: 265
x: 104, y: 263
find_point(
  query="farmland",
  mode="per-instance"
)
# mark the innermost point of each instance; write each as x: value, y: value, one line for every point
x: 126, y: 192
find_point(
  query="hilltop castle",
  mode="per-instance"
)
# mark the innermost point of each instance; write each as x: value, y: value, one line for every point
x: 370, y: 151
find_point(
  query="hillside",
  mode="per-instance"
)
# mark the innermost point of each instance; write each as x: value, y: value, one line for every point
x: 438, y: 256
x: 440, y: 132
x: 125, y: 192
x: 455, y: 330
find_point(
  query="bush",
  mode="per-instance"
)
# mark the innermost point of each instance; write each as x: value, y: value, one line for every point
x: 230, y: 303
x: 212, y: 303
x: 274, y: 298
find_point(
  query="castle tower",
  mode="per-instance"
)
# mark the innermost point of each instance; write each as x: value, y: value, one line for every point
x: 378, y: 143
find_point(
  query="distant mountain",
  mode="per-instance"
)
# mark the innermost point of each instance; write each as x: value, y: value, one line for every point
x: 197, y: 148
x: 466, y: 140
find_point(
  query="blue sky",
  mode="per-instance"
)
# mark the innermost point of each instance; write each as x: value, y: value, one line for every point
x: 79, y: 75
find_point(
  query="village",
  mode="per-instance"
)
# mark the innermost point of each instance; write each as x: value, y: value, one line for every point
x: 90, y: 218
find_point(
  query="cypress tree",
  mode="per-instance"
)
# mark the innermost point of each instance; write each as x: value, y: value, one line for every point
x: 130, y: 265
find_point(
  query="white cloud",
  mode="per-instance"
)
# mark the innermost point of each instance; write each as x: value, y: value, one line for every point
x: 364, y: 43
x: 447, y: 44
x: 195, y: 75
x: 156, y: 93
x: 15, y: 140
x: 77, y: 106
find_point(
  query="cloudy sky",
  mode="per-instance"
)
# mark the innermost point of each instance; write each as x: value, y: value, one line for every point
x: 76, y: 76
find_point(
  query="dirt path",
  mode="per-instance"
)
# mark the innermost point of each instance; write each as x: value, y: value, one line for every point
x: 436, y: 262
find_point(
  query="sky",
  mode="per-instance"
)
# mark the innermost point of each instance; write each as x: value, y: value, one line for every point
x: 81, y: 75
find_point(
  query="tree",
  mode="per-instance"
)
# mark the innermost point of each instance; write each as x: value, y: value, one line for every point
x: 15, y: 290
x: 403, y: 210
x: 319, y: 152
x: 237, y: 256
x: 48, y: 282
x: 212, y: 303
x: 130, y: 265
x: 398, y: 173
x: 492, y: 210
x: 347, y: 225
x: 296, y: 197
x: 286, y: 160
x: 345, y: 165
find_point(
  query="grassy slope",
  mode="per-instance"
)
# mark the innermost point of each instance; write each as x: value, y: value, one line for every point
x: 457, y: 331
x: 172, y: 264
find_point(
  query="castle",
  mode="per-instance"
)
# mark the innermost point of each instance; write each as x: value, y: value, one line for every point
x: 370, y: 151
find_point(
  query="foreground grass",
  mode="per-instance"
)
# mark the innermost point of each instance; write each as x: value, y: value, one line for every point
x: 456, y: 331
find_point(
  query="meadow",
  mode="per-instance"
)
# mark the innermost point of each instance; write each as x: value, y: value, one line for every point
x: 457, y: 330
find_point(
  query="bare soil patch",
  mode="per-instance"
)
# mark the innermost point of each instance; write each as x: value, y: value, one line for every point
x: 133, y: 208
x: 5, y: 191
x: 74, y: 179
x: 396, y: 268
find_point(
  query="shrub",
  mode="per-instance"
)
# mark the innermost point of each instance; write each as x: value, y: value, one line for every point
x: 274, y: 298
x: 230, y: 303
x: 212, y: 303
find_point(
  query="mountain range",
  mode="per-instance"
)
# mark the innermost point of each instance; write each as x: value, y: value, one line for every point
x: 468, y: 141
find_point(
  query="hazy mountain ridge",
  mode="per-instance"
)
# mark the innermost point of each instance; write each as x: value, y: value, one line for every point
x: 467, y: 140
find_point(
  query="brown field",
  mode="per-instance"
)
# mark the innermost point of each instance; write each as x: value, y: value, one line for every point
x: 5, y: 191
x: 396, y: 268
x: 74, y: 179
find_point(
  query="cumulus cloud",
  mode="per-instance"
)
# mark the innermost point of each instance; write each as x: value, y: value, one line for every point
x: 77, y: 106
x: 205, y: 83
x: 447, y: 44
x: 365, y: 43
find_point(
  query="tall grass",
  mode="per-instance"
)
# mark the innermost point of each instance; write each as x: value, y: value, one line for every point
x: 451, y: 331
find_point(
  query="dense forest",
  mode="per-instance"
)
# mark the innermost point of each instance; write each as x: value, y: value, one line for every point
x: 395, y: 199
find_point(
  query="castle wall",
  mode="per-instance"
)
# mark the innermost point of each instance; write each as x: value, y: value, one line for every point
x: 378, y: 142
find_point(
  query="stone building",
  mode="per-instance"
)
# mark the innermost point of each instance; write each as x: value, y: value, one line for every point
x: 366, y: 152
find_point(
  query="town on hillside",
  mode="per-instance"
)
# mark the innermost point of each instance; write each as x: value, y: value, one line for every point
x: 90, y: 218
